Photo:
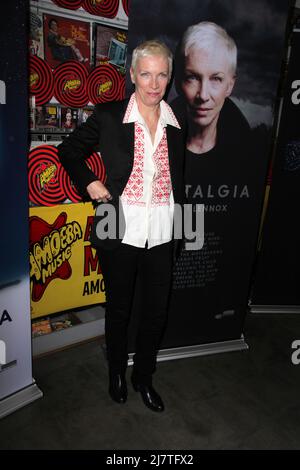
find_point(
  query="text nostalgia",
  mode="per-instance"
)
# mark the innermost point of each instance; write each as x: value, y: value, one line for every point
x: 223, y: 191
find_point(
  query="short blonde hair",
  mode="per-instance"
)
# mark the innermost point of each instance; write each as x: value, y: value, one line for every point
x: 150, y: 48
x: 204, y: 35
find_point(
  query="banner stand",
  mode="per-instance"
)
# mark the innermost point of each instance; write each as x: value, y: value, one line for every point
x: 276, y: 278
x: 17, y: 386
x: 19, y: 399
x: 210, y: 294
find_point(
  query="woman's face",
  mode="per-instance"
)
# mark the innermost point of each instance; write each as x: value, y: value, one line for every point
x: 68, y: 117
x: 151, y: 77
x: 208, y: 79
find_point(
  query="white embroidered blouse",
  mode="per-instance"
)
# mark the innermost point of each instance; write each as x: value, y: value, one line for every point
x: 147, y: 199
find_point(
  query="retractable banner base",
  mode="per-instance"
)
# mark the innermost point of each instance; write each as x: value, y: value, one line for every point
x: 186, y: 352
x: 19, y: 399
x: 275, y: 309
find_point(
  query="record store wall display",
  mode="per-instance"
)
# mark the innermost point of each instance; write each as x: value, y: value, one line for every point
x: 77, y: 58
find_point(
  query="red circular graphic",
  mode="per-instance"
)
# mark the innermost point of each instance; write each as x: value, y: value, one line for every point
x: 70, y: 84
x: 43, y: 170
x: 125, y: 4
x: 41, y: 80
x: 95, y: 163
x: 104, y: 84
x: 106, y: 8
x: 69, y: 4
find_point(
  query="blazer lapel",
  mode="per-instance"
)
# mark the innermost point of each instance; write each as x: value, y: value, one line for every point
x: 172, y: 137
x: 128, y: 139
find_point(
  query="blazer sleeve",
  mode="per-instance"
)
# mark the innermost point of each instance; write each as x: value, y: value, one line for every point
x: 74, y: 150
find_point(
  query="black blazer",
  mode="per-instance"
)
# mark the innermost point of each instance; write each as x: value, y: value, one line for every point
x: 105, y: 132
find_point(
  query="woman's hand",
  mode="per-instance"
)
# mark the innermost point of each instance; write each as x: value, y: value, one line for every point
x: 98, y: 192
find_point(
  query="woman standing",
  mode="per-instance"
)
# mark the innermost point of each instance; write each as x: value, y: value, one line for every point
x: 142, y: 146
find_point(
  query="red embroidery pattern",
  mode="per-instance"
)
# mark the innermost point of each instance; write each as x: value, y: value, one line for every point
x: 162, y: 186
x: 133, y: 191
x: 172, y: 115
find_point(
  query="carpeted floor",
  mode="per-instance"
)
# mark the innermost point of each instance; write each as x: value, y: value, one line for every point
x: 240, y: 400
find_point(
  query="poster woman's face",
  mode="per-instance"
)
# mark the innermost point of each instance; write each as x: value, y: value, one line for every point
x: 207, y: 80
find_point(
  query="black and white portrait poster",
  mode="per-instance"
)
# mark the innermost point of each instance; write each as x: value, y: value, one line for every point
x: 227, y: 69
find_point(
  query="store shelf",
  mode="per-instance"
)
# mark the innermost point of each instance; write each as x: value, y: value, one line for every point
x: 91, y: 326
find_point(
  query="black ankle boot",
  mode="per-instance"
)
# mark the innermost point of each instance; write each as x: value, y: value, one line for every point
x: 150, y: 397
x: 118, y: 387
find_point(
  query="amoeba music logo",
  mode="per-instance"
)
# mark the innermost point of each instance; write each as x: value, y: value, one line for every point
x: 296, y: 354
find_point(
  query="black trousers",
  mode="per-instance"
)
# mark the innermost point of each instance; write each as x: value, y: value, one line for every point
x: 120, y: 269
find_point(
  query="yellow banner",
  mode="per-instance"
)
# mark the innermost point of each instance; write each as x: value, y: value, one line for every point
x: 64, y: 268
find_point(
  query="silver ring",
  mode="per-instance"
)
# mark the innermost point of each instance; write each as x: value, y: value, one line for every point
x: 99, y: 200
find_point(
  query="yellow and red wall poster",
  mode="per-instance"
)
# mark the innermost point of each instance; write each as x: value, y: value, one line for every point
x: 64, y: 268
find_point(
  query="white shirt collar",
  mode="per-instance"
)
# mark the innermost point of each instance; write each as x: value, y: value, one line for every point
x: 167, y: 117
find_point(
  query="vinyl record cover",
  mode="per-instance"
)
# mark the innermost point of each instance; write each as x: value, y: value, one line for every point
x: 46, y: 117
x: 110, y: 46
x: 66, y: 39
x: 84, y: 114
x: 68, y: 119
